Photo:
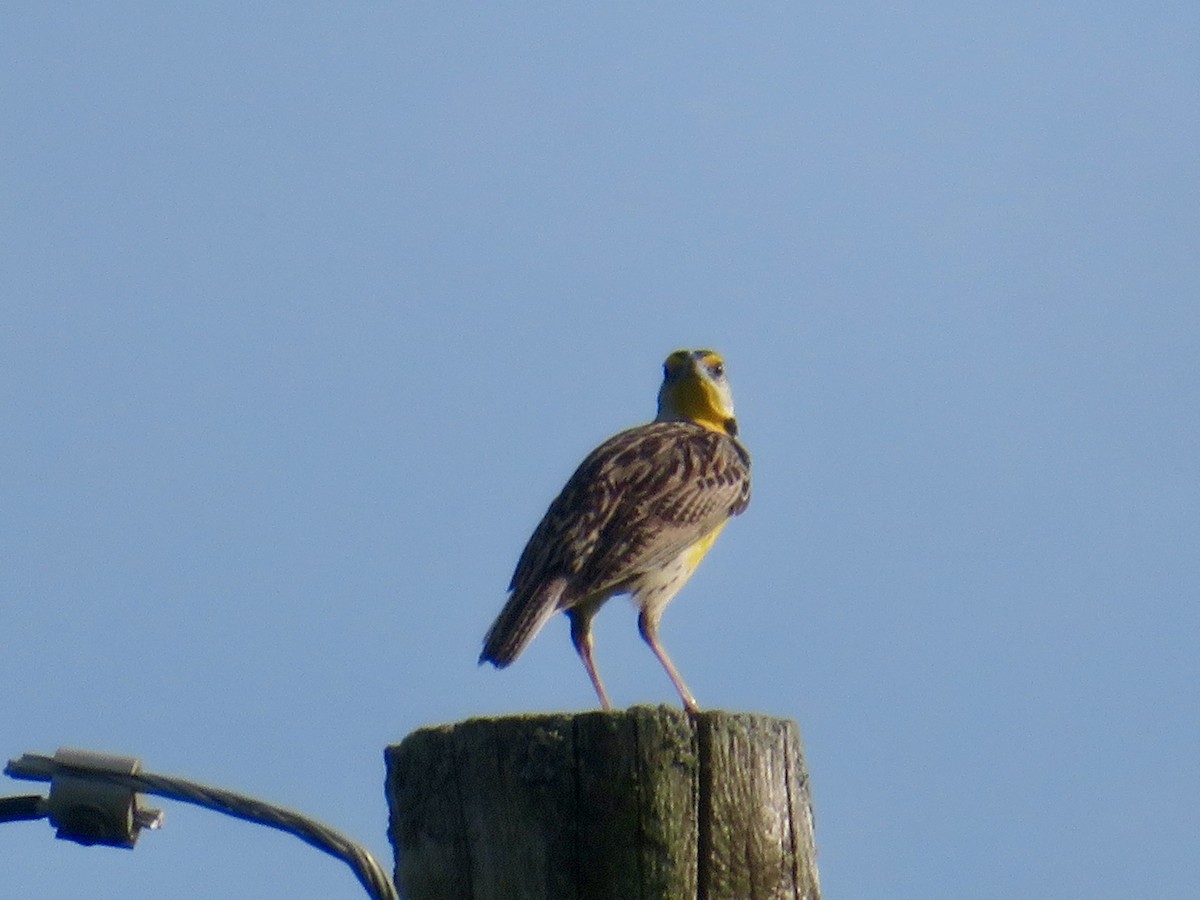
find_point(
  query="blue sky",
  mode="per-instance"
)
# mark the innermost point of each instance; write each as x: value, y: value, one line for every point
x: 307, y: 311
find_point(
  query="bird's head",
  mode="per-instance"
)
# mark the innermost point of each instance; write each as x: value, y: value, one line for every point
x: 694, y: 389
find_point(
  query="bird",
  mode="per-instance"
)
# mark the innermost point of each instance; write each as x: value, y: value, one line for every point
x: 635, y: 518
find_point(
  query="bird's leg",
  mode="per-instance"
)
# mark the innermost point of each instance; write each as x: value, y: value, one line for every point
x: 648, y: 626
x: 581, y: 637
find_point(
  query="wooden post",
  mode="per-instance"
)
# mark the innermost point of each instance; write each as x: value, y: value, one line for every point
x: 639, y: 803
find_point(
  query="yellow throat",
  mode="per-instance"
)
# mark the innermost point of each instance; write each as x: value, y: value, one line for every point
x: 694, y: 389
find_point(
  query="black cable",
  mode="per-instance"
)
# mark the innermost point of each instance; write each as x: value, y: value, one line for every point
x: 363, y: 864
x: 20, y: 809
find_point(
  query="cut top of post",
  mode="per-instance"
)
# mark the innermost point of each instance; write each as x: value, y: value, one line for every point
x: 648, y: 802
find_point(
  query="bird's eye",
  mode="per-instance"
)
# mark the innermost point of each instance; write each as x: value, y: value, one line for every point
x: 717, y: 369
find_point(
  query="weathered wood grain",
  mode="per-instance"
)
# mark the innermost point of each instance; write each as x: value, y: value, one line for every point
x: 640, y: 803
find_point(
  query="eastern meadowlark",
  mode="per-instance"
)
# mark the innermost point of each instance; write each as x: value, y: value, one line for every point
x: 636, y: 518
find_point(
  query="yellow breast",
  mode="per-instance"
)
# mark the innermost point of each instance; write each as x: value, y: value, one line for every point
x: 696, y: 552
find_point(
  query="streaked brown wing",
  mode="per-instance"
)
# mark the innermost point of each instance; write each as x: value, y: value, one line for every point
x: 638, y: 500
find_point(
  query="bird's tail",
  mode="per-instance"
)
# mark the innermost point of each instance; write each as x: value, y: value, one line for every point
x: 519, y: 622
